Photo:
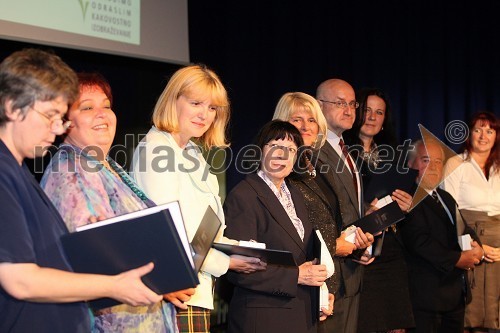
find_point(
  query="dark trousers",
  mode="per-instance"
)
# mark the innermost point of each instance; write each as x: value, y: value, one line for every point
x: 344, y: 318
x: 439, y: 322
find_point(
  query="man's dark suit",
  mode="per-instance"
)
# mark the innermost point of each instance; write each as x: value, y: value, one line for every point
x: 437, y: 287
x: 335, y: 180
x: 270, y: 300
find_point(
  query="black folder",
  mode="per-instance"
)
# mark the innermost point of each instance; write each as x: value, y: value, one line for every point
x: 204, y: 237
x: 271, y: 257
x: 380, y: 219
x: 110, y: 247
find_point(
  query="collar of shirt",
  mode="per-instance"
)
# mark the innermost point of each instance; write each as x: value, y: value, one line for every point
x: 333, y: 139
x: 277, y: 191
x: 285, y: 198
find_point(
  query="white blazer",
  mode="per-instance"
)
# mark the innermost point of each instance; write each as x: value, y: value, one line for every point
x: 166, y: 172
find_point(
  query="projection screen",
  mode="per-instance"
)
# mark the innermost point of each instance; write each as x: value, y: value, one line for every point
x: 148, y: 29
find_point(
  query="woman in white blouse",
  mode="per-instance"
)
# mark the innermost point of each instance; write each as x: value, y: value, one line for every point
x: 473, y: 179
x: 168, y: 166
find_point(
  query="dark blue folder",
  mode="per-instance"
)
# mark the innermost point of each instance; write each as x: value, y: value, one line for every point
x: 117, y: 247
x: 380, y: 219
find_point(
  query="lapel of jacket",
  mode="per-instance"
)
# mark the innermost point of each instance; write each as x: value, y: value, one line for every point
x: 439, y: 211
x: 458, y: 223
x: 300, y: 208
x: 188, y: 160
x: 448, y: 201
x: 199, y: 176
x: 436, y: 208
x: 274, y: 207
x: 317, y: 191
x: 328, y: 155
x: 192, y: 160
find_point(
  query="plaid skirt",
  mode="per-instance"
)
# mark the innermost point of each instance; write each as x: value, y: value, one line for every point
x: 193, y: 320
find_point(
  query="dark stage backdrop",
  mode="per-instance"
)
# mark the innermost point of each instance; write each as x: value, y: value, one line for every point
x: 438, y: 61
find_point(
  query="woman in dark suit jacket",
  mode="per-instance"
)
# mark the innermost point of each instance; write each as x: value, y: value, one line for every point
x: 266, y: 208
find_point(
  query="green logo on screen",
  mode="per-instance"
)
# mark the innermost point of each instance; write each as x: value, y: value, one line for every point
x: 84, y: 5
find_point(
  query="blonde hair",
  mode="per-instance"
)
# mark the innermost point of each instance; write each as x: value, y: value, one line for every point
x: 291, y: 102
x: 195, y: 81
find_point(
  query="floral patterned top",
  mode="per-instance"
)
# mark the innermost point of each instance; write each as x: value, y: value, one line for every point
x: 83, y: 189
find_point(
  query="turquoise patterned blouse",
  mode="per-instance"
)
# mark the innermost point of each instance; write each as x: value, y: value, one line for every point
x: 83, y: 190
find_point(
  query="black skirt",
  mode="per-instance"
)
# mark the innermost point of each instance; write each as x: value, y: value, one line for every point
x: 385, y: 300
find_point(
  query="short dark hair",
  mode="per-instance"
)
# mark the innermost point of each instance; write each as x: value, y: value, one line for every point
x: 273, y: 130
x: 32, y: 75
x: 278, y: 130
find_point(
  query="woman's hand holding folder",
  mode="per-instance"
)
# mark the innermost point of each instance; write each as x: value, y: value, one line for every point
x: 128, y: 287
x: 178, y: 298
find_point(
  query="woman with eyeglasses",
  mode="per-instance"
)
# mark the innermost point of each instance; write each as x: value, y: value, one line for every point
x: 304, y: 112
x: 39, y: 291
x: 267, y: 208
x: 86, y: 185
x: 473, y: 179
x: 385, y: 301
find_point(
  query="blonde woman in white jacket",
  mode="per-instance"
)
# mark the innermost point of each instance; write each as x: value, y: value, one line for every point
x: 168, y: 166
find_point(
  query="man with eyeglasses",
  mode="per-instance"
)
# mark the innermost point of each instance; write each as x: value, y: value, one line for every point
x: 338, y: 178
x: 38, y: 290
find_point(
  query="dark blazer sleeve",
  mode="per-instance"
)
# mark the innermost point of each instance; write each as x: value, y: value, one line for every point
x: 426, y: 235
x: 247, y: 218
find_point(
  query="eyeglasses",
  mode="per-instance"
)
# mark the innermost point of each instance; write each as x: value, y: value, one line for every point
x: 56, y: 124
x: 291, y: 150
x: 343, y: 104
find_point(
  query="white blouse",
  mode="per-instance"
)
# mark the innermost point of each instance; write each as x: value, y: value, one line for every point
x: 286, y: 201
x: 466, y: 182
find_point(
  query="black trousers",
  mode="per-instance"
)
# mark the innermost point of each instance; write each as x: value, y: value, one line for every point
x: 439, y: 322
